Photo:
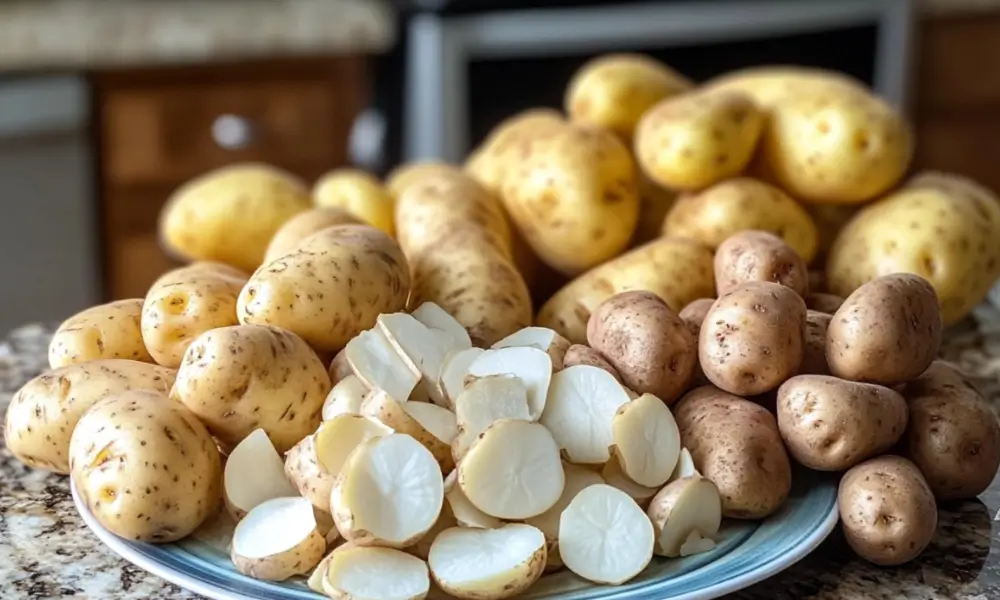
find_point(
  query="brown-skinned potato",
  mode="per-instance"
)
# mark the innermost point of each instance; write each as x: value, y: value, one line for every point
x: 693, y: 316
x: 758, y: 256
x: 578, y: 354
x: 814, y: 344
x: 824, y: 303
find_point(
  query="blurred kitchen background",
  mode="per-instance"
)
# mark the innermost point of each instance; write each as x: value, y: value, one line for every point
x: 106, y: 106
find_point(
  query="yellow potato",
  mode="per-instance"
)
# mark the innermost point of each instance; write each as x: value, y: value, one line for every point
x: 575, y: 198
x: 401, y: 177
x: 942, y: 227
x: 836, y: 146
x: 678, y: 271
x: 613, y: 91
x: 106, y: 331
x: 230, y: 214
x: 331, y: 288
x: 359, y: 193
x: 738, y: 205
x: 509, y: 143
x: 186, y: 302
x: 694, y: 140
x: 770, y: 85
x: 305, y: 224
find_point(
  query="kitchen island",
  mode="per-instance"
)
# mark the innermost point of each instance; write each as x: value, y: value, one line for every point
x: 46, y: 552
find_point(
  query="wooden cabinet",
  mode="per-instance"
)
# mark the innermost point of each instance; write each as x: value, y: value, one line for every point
x: 157, y: 128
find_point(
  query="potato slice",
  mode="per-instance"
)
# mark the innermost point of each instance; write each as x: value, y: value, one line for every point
x: 531, y: 365
x: 362, y: 573
x: 378, y: 405
x: 615, y: 477
x: 646, y: 440
x: 278, y: 539
x: 254, y: 474
x: 488, y: 564
x: 345, y: 398
x: 485, y: 401
x: 695, y: 544
x: 453, y: 372
x: 389, y: 492
x: 435, y: 317
x: 543, y: 338
x: 440, y: 422
x: 424, y: 347
x: 465, y: 513
x: 513, y: 470
x: 577, y: 480
x: 686, y: 506
x: 318, y: 575
x: 685, y: 466
x: 582, y: 404
x: 378, y: 365
x: 604, y: 536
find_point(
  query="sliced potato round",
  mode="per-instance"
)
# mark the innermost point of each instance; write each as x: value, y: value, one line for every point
x: 422, y: 346
x: 453, y: 372
x: 543, y: 338
x: 278, y: 539
x: 435, y: 317
x: 487, y: 564
x: 485, y: 401
x: 399, y: 416
x: 577, y: 479
x: 614, y: 476
x: 646, y: 440
x: 389, y: 492
x: 466, y: 514
x: 345, y: 398
x: 378, y: 365
x: 685, y: 466
x: 531, y: 365
x: 690, y: 505
x: 604, y: 536
x: 365, y: 573
x: 254, y: 474
x: 513, y: 470
x: 580, y: 409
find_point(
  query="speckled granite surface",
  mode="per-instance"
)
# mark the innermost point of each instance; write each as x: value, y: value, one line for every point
x: 47, y: 553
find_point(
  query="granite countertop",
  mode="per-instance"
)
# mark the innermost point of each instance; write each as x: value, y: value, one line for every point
x: 46, y: 551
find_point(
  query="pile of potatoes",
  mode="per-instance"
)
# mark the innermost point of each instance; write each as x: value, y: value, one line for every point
x: 607, y: 331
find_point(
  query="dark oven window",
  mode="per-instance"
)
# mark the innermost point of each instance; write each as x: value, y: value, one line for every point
x: 500, y: 88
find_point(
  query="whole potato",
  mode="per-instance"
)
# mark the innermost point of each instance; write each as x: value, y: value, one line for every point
x: 941, y: 227
x: 814, y: 345
x: 401, y: 177
x: 752, y: 338
x: 693, y: 316
x: 578, y: 354
x: 829, y: 424
x: 199, y: 221
x: 676, y: 270
x: 508, y: 143
x: 824, y: 303
x: 836, y: 145
x: 146, y: 468
x: 574, y: 198
x: 735, y: 443
x: 953, y: 436
x: 694, y: 140
x: 42, y: 414
x: 888, y: 331
x: 186, y: 302
x: 771, y: 85
x: 887, y: 511
x: 742, y: 204
x: 303, y: 225
x: 240, y: 378
x: 614, y: 91
x: 646, y: 342
x: 333, y: 287
x: 359, y: 193
x: 109, y: 330
x: 759, y: 256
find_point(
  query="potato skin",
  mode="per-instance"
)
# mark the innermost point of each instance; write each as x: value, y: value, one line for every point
x: 887, y: 511
x: 740, y: 204
x: 814, y: 344
x: 42, y: 414
x: 939, y: 226
x: 752, y: 338
x: 836, y: 145
x: 574, y: 198
x: 829, y: 424
x: 578, y: 354
x: 508, y: 143
x: 676, y: 270
x: 236, y: 379
x: 953, y: 436
x: 105, y: 331
x: 693, y: 316
x: 198, y: 222
x: 401, y: 177
x: 646, y: 342
x: 186, y: 302
x: 331, y: 288
x: 305, y: 224
x: 735, y: 443
x: 133, y: 431
x: 758, y: 256
x: 359, y: 193
x: 888, y: 331
x: 614, y: 91
x: 824, y: 303
x: 770, y: 85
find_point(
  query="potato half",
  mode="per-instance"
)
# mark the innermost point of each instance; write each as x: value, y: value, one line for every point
x: 277, y: 540
x: 487, y: 564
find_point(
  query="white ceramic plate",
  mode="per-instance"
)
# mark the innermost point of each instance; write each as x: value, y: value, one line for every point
x: 748, y: 552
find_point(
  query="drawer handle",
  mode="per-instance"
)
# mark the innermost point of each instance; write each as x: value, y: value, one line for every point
x: 232, y: 132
